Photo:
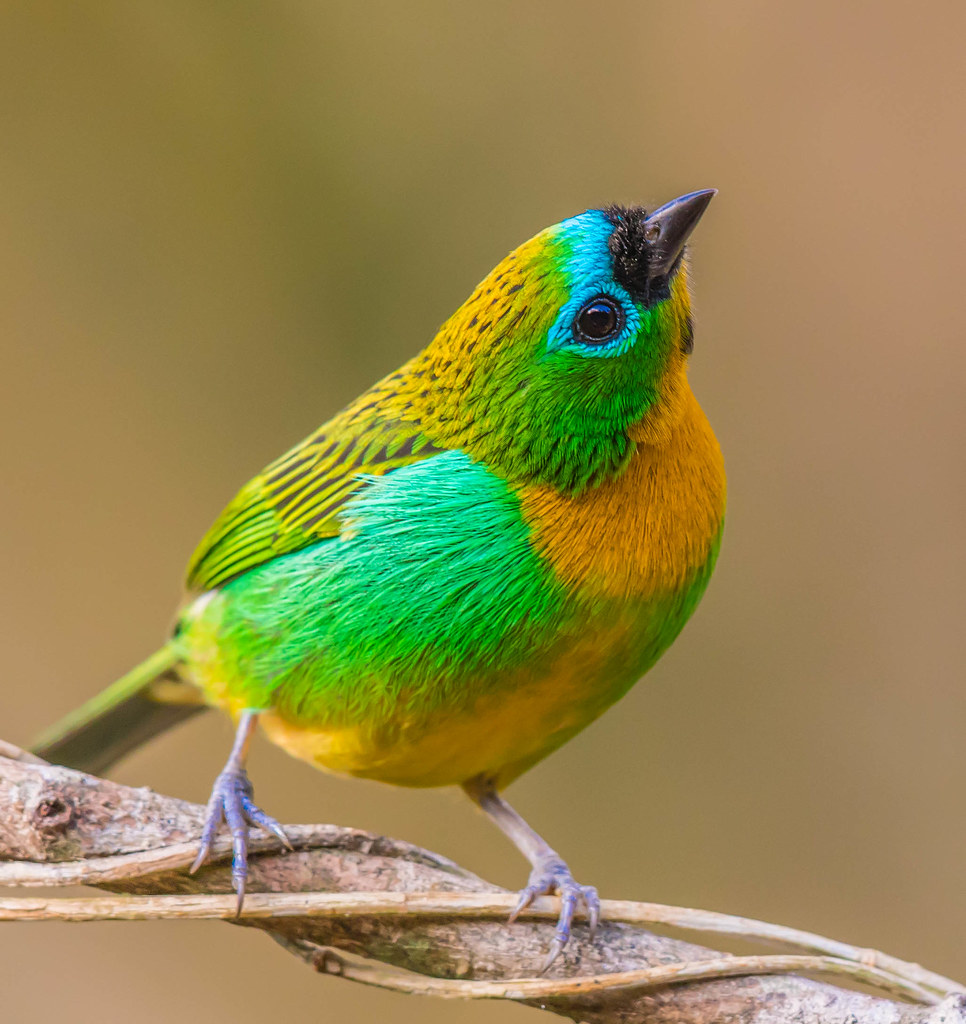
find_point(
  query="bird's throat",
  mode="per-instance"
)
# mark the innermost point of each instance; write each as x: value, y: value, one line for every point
x: 649, y: 531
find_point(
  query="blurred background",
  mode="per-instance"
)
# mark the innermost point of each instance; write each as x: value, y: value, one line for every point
x: 219, y: 223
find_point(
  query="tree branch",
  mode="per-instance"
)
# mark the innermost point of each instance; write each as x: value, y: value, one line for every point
x: 386, y: 913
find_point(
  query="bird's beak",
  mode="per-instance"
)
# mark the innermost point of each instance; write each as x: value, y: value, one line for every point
x: 667, y: 229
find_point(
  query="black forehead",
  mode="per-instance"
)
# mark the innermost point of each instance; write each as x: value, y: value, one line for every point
x: 628, y: 248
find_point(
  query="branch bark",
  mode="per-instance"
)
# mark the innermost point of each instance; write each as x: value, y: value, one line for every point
x: 384, y: 912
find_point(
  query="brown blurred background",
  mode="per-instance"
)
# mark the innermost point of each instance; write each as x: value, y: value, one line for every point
x: 219, y: 222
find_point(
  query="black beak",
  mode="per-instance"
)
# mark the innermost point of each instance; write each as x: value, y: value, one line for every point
x: 667, y: 229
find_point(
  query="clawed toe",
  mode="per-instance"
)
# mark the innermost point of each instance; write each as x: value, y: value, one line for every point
x: 232, y: 802
x: 549, y: 875
x: 554, y: 877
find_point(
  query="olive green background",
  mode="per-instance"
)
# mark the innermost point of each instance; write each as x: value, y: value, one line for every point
x: 220, y: 221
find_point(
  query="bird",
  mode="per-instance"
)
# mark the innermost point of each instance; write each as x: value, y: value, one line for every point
x: 465, y: 567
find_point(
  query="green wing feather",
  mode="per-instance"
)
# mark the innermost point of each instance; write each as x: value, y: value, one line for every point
x: 294, y: 502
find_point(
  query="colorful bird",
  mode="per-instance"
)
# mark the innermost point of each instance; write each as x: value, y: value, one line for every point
x: 465, y: 567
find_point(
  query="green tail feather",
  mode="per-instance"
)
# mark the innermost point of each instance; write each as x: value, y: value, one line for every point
x: 117, y: 720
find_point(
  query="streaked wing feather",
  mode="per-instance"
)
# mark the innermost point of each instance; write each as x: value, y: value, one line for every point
x: 295, y: 501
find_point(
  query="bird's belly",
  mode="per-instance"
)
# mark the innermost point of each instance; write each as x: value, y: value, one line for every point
x: 499, y: 733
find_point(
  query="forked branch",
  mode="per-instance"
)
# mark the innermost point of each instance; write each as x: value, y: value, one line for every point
x: 386, y: 913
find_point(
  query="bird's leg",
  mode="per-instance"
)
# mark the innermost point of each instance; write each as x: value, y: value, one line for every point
x: 550, y: 873
x: 231, y: 801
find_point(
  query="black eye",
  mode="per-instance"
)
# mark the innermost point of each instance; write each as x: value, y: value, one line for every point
x: 598, y: 321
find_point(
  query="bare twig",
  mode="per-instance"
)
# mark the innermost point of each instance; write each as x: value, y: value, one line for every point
x: 402, y: 918
x: 622, y: 981
x: 865, y: 965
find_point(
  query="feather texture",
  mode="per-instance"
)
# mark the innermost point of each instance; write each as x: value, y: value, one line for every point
x: 431, y: 640
x: 294, y: 502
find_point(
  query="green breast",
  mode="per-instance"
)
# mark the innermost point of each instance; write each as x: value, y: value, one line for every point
x: 430, y: 591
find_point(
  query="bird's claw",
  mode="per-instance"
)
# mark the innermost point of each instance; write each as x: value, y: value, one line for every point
x: 553, y: 876
x: 232, y: 801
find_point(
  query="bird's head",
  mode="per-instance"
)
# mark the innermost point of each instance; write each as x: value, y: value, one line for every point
x: 572, y: 350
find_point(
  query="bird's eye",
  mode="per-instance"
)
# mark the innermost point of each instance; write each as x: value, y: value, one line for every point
x: 598, y: 321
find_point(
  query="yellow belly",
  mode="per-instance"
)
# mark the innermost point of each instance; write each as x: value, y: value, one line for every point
x: 500, y: 735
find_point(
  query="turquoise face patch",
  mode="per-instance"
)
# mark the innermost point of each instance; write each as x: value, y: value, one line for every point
x: 587, y: 274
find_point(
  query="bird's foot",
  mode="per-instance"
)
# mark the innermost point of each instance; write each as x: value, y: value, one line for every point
x: 551, y: 875
x: 231, y: 801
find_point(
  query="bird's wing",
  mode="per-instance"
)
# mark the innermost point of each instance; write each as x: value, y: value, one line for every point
x: 294, y: 502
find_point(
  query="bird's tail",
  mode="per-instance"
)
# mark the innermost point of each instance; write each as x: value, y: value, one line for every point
x: 148, y: 700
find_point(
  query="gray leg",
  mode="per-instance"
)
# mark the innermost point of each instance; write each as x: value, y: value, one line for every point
x: 231, y: 801
x: 550, y: 873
